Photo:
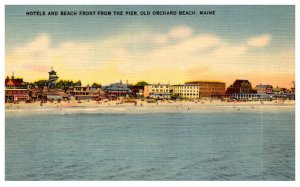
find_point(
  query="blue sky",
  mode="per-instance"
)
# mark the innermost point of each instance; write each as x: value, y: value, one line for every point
x: 232, y: 22
x: 234, y: 27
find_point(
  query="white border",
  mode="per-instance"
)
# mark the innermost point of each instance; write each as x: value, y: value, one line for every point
x: 139, y: 2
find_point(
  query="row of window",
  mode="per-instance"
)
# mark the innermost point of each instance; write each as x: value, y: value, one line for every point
x: 188, y: 94
x: 196, y: 91
x: 212, y: 89
x: 80, y: 89
x: 156, y: 86
x: 213, y: 85
x: 246, y: 96
x: 160, y: 90
x: 16, y: 92
x: 186, y: 87
x: 86, y: 93
x: 204, y: 88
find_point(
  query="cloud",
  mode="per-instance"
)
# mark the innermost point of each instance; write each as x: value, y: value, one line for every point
x: 153, y: 57
x: 161, y: 39
x: 180, y: 32
x: 187, y: 52
x: 38, y: 44
x: 227, y: 51
x: 259, y: 41
x: 36, y: 68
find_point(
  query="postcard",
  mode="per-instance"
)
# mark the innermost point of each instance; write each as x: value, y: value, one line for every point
x: 149, y: 93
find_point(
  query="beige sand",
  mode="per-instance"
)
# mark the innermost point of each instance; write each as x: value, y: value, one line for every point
x: 111, y: 106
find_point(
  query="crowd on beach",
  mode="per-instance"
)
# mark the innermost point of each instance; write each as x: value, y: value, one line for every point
x: 142, y: 103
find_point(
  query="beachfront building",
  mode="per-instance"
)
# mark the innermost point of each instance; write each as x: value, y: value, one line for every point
x: 158, y: 91
x: 85, y: 92
x: 264, y: 89
x: 251, y: 97
x: 36, y: 93
x: 283, y: 93
x: 49, y: 92
x: 278, y: 91
x: 15, y: 90
x: 241, y: 89
x: 56, y: 95
x: 137, y: 91
x: 210, y: 88
x: 240, y: 86
x: 187, y: 91
x: 116, y: 90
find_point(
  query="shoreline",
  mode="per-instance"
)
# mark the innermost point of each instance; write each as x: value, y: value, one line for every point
x: 70, y: 107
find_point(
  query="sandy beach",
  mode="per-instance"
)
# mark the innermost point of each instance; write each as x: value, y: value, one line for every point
x: 142, y: 106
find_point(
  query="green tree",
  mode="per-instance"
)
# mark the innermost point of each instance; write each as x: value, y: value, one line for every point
x: 96, y: 85
x: 60, y: 84
x: 39, y: 83
x: 70, y: 83
x: 27, y: 84
x: 175, y: 96
x: 65, y: 84
x: 141, y: 83
x: 78, y: 83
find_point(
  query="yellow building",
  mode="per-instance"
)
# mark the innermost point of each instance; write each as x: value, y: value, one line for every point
x: 188, y: 91
x: 157, y: 90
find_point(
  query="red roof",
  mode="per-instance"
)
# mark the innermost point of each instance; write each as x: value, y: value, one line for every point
x: 13, y: 82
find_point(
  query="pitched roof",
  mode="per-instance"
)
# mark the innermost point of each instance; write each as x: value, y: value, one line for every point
x: 117, y: 87
x: 241, y: 80
x: 262, y: 86
x: 13, y: 82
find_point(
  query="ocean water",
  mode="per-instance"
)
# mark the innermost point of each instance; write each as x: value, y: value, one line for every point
x: 223, y: 144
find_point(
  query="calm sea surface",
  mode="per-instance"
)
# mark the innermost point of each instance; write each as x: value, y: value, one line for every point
x: 250, y: 144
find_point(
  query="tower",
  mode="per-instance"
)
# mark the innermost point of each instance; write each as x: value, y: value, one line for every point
x: 52, y: 79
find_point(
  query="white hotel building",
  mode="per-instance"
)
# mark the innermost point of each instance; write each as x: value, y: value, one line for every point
x: 188, y: 91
